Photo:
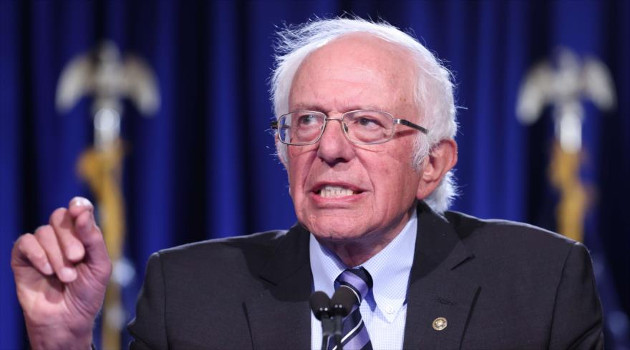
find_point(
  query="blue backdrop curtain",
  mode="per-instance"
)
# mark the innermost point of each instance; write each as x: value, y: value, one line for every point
x: 203, y: 165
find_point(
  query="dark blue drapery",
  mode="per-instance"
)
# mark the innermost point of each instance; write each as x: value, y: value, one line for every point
x: 203, y: 165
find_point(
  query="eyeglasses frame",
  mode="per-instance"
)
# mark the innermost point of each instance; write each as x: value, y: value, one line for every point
x: 344, y: 127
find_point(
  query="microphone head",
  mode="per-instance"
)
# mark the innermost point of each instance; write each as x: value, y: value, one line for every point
x: 342, y: 301
x: 320, y: 304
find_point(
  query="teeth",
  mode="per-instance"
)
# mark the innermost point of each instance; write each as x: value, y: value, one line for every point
x: 335, y: 192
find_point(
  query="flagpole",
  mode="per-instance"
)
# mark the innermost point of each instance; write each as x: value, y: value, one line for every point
x: 103, y: 74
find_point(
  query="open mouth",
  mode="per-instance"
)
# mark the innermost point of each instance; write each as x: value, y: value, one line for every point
x: 335, y: 192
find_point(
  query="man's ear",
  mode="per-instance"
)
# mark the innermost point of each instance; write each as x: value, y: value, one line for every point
x: 283, y: 160
x: 442, y: 157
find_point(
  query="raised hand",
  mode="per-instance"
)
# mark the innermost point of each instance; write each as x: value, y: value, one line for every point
x: 61, y: 273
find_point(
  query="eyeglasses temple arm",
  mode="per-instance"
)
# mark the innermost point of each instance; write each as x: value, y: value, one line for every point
x: 410, y: 124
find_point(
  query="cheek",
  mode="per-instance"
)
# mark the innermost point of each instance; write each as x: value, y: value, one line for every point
x: 392, y: 174
x: 388, y: 166
x: 298, y: 165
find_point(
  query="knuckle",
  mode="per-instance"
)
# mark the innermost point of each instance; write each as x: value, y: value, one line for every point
x: 28, y: 247
x: 18, y: 245
x: 57, y: 216
x: 21, y: 239
x: 42, y: 231
x: 38, y: 257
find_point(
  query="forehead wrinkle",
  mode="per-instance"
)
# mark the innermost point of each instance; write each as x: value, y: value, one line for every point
x: 353, y: 97
x: 373, y: 61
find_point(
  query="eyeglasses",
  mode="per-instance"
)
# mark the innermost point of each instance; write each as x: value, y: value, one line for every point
x: 301, y: 128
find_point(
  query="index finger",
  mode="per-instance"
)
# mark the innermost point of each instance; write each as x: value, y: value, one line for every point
x: 82, y: 212
x: 78, y: 205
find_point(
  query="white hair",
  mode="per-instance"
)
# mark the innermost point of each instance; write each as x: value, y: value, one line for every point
x: 434, y: 87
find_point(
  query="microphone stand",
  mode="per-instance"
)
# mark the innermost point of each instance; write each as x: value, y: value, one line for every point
x: 328, y: 330
x: 338, y: 330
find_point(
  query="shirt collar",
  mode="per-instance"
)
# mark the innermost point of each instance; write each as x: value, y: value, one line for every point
x: 390, y: 268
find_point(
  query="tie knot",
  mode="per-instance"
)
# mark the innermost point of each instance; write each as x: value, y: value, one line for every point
x: 358, y: 280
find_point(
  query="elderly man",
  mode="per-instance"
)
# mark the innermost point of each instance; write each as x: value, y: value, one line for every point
x: 365, y: 129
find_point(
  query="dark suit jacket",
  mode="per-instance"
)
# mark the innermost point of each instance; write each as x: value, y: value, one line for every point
x: 500, y: 285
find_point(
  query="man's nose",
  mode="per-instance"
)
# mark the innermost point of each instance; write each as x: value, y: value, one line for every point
x: 333, y: 145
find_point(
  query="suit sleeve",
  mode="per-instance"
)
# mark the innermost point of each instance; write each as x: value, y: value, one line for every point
x: 577, y: 318
x: 148, y: 329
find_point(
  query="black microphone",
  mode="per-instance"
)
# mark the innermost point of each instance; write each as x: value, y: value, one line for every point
x: 320, y: 305
x: 342, y: 302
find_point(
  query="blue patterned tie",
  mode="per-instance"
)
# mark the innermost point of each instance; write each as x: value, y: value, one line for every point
x: 355, y: 335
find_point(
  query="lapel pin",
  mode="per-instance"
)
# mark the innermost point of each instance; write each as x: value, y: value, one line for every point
x: 439, y: 323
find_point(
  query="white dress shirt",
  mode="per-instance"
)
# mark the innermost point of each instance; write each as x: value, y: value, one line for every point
x: 384, y: 310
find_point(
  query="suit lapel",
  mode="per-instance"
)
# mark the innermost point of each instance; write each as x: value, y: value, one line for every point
x: 438, y: 286
x: 283, y: 308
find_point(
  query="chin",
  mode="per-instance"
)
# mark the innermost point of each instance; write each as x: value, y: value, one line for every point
x: 337, y: 233
x: 338, y: 236
x: 334, y: 224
